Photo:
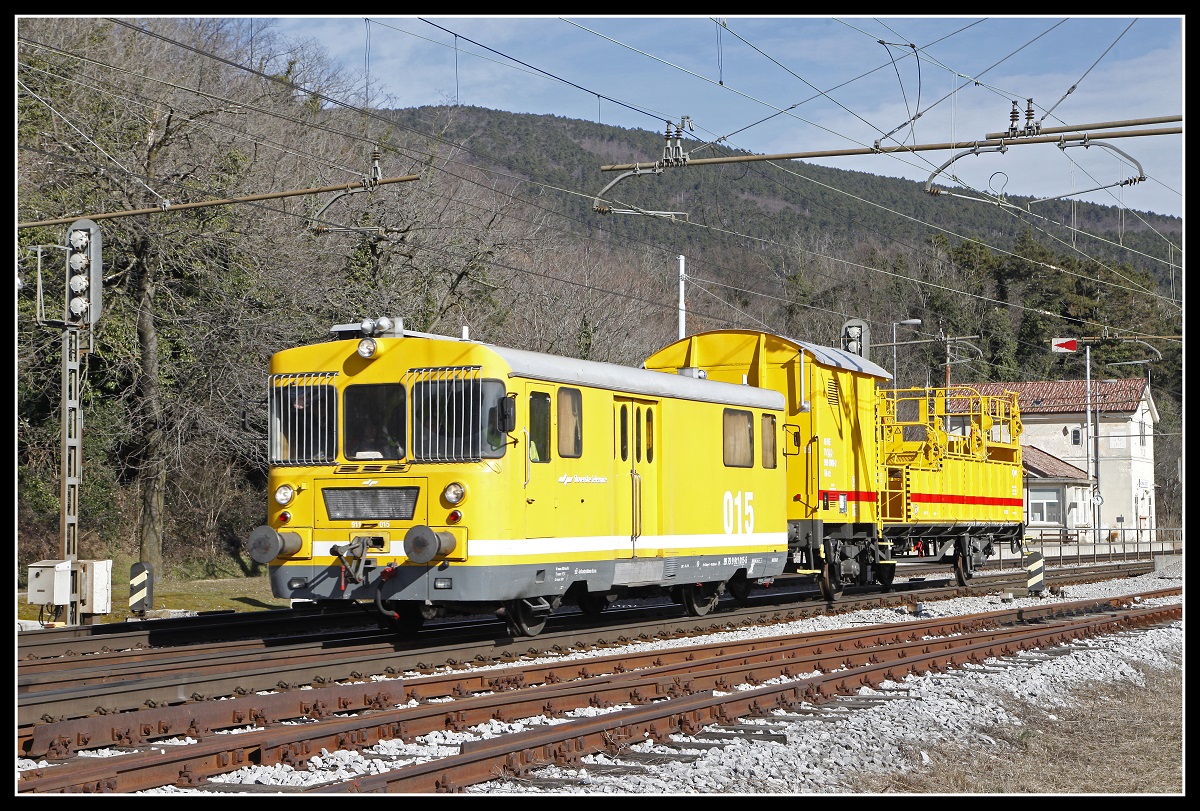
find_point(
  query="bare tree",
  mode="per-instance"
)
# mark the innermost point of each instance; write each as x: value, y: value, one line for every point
x: 133, y: 115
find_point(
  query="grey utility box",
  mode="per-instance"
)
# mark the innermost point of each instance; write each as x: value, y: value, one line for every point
x: 49, y: 582
x: 95, y: 586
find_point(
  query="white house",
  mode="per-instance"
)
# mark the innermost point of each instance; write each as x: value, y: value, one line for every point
x: 1116, y: 451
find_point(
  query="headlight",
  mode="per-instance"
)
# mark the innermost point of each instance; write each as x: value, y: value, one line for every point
x: 454, y: 493
x: 284, y: 494
x: 366, y: 347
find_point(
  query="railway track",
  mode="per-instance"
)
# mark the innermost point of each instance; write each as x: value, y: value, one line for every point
x: 137, y: 699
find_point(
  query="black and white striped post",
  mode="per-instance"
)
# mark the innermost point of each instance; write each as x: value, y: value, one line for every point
x: 1035, y: 573
x: 141, y: 588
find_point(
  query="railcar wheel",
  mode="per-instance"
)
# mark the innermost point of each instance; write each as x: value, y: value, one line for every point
x: 699, y: 598
x: 885, y: 575
x: 962, y: 571
x: 740, y: 588
x: 592, y: 603
x: 522, y: 620
x: 830, y: 589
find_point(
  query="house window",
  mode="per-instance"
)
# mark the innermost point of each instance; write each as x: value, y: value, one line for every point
x: 1045, y: 505
x: 1142, y: 436
x: 1076, y: 436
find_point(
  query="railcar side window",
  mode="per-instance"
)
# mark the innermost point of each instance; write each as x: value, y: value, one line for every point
x: 637, y: 434
x: 570, y: 423
x: 539, y: 426
x: 624, y: 432
x: 738, y: 438
x: 649, y: 435
x: 768, y: 441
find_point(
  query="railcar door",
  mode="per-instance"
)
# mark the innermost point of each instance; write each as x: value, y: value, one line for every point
x: 540, y: 494
x: 637, y: 436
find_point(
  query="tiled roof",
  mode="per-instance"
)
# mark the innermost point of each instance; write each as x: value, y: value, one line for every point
x: 1070, y: 396
x: 1047, y: 466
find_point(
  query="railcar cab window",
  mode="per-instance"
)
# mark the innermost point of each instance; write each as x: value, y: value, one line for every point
x: 738, y: 438
x: 457, y: 420
x: 374, y: 421
x: 303, y: 417
x: 570, y: 423
x: 539, y: 426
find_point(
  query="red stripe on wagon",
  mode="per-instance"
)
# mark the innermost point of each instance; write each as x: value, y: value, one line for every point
x: 941, y: 498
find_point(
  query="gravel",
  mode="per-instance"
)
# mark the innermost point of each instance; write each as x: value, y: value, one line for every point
x: 819, y: 756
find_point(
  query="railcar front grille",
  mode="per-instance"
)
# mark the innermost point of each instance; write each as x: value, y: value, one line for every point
x: 371, y: 503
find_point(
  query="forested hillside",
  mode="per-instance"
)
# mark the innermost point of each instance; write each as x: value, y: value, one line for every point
x: 779, y: 200
x: 494, y: 229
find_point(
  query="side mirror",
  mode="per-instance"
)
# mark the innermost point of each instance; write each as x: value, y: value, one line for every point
x: 507, y: 418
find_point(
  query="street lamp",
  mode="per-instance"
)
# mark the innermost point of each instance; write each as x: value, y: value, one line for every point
x: 908, y: 322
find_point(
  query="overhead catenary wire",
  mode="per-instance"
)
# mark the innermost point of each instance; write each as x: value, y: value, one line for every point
x: 635, y: 296
x: 339, y: 187
x: 250, y: 198
x: 834, y: 153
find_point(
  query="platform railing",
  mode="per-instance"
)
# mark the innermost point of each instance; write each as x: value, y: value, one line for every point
x: 1065, y: 547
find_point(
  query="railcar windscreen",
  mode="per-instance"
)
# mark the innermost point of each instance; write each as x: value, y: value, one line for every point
x: 455, y: 414
x: 303, y: 415
x: 374, y: 421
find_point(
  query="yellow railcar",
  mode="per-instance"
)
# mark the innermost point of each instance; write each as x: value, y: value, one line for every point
x: 829, y: 447
x: 433, y: 475
x: 873, y: 472
x: 951, y: 481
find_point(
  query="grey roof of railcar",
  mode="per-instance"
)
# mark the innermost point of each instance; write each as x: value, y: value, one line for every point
x: 832, y: 356
x: 627, y: 379
x: 558, y: 369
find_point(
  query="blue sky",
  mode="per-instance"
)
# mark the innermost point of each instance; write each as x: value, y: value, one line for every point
x: 781, y: 85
